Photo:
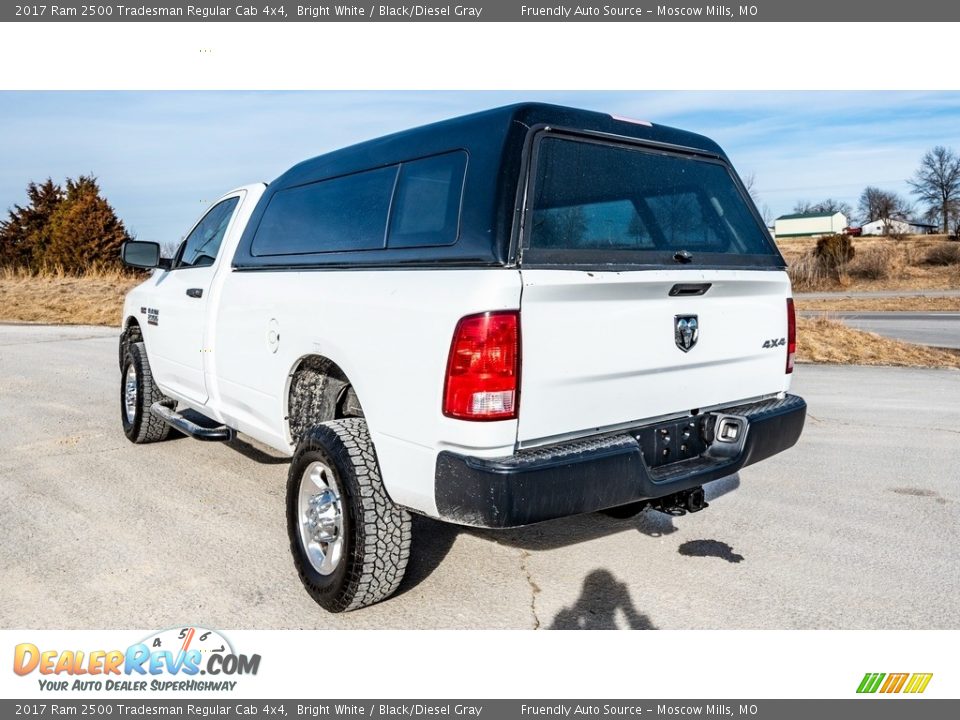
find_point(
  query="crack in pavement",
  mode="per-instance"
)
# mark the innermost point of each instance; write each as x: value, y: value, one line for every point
x: 31, y: 463
x: 57, y: 340
x: 846, y: 423
x: 534, y: 588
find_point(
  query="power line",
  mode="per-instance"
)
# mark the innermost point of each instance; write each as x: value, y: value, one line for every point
x: 761, y: 189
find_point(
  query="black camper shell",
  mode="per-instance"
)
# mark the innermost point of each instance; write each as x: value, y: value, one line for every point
x: 495, y: 148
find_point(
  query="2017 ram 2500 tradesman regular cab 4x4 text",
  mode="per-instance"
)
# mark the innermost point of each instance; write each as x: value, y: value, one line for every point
x: 504, y: 318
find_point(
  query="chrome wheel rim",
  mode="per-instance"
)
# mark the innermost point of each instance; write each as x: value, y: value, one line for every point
x: 320, y: 514
x: 130, y: 393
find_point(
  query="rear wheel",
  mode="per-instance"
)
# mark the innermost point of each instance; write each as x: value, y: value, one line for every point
x: 350, y: 543
x: 137, y: 393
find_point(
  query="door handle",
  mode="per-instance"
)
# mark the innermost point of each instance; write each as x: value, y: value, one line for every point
x: 195, y: 292
x: 687, y: 289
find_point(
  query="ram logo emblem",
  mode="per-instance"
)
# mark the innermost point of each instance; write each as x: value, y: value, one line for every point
x: 686, y: 331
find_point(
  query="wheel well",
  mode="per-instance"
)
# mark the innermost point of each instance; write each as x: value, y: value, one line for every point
x: 131, y: 334
x: 319, y: 391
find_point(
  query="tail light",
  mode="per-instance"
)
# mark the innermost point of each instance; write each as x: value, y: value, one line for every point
x: 483, y: 371
x: 791, y: 335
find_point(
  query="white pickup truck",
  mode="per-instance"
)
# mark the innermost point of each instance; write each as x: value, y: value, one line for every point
x: 504, y: 318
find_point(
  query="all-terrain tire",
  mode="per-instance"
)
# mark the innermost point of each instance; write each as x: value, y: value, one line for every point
x: 130, y: 335
x: 376, y: 533
x: 141, y: 426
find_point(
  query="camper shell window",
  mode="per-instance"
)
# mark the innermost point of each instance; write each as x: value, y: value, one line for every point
x: 406, y: 205
x: 606, y: 203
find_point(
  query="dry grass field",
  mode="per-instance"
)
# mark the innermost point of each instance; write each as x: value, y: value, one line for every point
x: 879, y: 304
x: 921, y: 262
x: 821, y: 340
x: 58, y: 299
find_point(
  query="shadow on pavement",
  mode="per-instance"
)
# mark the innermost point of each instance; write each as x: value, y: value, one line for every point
x: 710, y: 548
x: 719, y: 488
x: 256, y: 454
x: 600, y: 599
x: 556, y: 534
x: 433, y: 539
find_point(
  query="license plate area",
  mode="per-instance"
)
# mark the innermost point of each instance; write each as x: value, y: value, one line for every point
x: 673, y: 441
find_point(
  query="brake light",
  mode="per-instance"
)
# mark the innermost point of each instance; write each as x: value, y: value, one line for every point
x: 483, y: 370
x: 791, y: 335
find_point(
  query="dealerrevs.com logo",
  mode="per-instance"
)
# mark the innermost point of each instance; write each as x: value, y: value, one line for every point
x: 179, y: 659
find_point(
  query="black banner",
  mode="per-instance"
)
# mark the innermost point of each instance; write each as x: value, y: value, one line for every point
x: 858, y: 11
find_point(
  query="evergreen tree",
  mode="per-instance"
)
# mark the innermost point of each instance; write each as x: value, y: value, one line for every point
x: 24, y: 235
x: 85, y: 232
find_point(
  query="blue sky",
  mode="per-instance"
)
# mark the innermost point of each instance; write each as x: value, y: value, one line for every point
x: 161, y: 157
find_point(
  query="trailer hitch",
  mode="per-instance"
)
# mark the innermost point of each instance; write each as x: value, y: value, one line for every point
x: 681, y: 503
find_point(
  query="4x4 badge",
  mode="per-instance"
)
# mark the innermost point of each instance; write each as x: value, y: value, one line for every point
x: 686, y: 331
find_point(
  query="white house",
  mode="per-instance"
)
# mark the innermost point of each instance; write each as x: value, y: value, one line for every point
x: 884, y: 226
x: 809, y: 224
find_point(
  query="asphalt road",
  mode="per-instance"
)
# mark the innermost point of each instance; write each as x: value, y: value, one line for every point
x: 941, y: 329
x: 856, y: 527
x: 832, y: 295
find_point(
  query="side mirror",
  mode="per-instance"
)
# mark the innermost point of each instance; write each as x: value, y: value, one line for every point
x: 143, y: 255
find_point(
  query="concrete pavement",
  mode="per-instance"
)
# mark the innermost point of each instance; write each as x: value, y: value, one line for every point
x: 856, y: 527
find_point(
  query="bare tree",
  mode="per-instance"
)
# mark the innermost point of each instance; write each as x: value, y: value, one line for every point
x: 937, y: 182
x: 885, y: 205
x: 955, y: 227
x: 750, y: 183
x: 767, y: 214
x: 830, y: 205
x: 168, y: 248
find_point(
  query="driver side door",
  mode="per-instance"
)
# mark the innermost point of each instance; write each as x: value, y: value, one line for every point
x: 177, y: 347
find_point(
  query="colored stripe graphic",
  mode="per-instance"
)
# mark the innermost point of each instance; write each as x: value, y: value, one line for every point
x: 870, y: 682
x: 895, y: 683
x: 918, y: 682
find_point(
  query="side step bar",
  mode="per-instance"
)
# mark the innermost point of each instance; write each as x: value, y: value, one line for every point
x: 192, y: 426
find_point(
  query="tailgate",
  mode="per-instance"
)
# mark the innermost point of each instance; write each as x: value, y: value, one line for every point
x: 600, y: 349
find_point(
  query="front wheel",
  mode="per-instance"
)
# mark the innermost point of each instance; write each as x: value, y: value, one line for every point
x: 350, y: 543
x: 137, y: 393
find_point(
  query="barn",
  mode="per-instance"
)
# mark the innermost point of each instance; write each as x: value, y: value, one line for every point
x: 897, y: 227
x: 809, y: 224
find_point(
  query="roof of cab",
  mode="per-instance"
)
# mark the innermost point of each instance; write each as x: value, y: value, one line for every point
x: 480, y: 132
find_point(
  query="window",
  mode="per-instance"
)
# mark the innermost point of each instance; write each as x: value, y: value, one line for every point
x: 614, y: 225
x: 594, y: 197
x: 202, y: 245
x: 682, y: 220
x: 426, y: 208
x: 341, y: 214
